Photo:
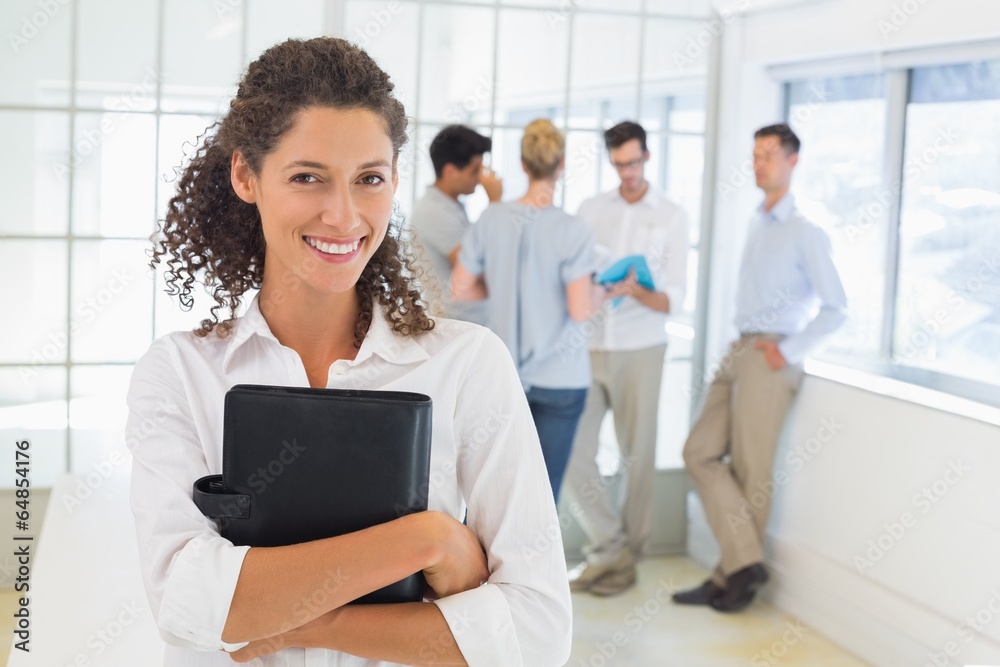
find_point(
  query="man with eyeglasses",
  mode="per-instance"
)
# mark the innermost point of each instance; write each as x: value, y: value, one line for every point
x: 789, y: 299
x: 627, y: 351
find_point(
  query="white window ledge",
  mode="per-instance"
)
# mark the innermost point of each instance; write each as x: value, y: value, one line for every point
x: 905, y: 391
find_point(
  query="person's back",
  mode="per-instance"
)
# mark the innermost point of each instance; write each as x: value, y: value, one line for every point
x: 530, y: 255
x: 536, y: 263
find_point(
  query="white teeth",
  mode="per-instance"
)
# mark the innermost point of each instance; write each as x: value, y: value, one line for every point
x: 333, y: 248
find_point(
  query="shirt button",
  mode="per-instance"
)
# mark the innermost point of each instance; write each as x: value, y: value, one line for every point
x: 339, y: 368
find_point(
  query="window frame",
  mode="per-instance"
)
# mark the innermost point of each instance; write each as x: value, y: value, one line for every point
x: 897, y: 70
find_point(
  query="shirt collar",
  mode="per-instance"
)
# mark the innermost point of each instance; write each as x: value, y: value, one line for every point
x: 380, y: 340
x: 652, y: 197
x: 781, y: 211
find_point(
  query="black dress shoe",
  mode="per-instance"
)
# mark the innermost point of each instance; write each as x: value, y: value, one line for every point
x: 741, y: 588
x: 701, y: 595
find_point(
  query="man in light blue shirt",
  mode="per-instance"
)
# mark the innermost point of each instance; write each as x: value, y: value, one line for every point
x: 789, y: 300
x: 439, y: 221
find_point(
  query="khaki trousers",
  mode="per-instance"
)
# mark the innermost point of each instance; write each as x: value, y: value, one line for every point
x: 729, y: 453
x: 627, y: 383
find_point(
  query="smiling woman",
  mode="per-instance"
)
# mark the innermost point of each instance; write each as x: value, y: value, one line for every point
x: 292, y: 193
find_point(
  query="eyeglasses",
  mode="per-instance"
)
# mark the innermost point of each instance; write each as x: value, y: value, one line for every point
x: 631, y: 164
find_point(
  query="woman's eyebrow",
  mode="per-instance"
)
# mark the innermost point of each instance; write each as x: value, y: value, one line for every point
x: 374, y: 163
x: 319, y: 165
x: 306, y: 163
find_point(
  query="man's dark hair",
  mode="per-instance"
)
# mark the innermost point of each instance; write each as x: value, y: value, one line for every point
x: 457, y: 145
x: 788, y: 139
x: 625, y: 131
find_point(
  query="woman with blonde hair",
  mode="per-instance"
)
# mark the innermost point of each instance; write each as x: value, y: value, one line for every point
x: 535, y: 262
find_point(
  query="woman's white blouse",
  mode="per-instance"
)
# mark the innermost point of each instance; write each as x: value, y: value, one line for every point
x: 485, y: 457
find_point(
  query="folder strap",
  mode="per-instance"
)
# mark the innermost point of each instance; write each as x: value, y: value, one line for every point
x: 215, y: 501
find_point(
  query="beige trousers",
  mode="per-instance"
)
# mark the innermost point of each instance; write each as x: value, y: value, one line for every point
x: 730, y: 451
x: 627, y: 383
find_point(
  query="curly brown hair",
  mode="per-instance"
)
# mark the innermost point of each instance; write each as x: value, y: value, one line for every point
x: 210, y: 235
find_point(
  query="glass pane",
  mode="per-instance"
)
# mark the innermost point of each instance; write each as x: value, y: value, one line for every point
x: 422, y: 168
x: 35, y: 186
x: 388, y: 32
x: 201, y: 54
x: 38, y: 269
x: 114, y: 157
x: 684, y: 171
x: 608, y: 72
x: 506, y: 160
x: 112, y: 301
x: 584, y: 113
x: 674, y: 49
x: 180, y: 137
x: 653, y: 112
x: 528, y: 39
x: 457, y: 67
x: 701, y: 8
x: 97, y: 415
x: 838, y: 185
x: 33, y: 406
x: 405, y: 169
x: 35, y: 66
x: 675, y: 410
x: 618, y: 109
x: 584, y: 154
x: 565, y: 8
x: 269, y: 23
x: 104, y: 78
x: 687, y: 112
x: 948, y: 316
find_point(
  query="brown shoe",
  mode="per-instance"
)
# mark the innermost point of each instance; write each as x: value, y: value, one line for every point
x: 614, y: 583
x: 586, y: 574
x: 703, y: 594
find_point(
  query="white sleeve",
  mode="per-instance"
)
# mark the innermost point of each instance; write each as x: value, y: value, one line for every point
x: 188, y: 569
x: 672, y: 263
x: 522, y: 616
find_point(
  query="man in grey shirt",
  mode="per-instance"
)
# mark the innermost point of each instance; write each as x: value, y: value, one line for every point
x: 439, y: 221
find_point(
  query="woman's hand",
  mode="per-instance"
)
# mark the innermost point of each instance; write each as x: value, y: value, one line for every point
x: 459, y: 562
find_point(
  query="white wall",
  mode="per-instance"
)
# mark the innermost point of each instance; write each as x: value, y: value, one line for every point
x: 877, y: 454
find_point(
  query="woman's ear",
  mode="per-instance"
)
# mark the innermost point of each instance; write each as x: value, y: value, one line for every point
x: 243, y: 179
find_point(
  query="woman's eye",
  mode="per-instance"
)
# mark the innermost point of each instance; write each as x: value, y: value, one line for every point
x: 372, y: 179
x: 303, y: 178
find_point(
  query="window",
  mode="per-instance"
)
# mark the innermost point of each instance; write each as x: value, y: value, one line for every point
x: 901, y: 169
x: 948, y: 297
x: 98, y: 139
x: 497, y: 68
x: 92, y: 142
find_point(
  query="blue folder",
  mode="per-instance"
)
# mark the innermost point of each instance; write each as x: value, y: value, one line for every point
x: 619, y: 271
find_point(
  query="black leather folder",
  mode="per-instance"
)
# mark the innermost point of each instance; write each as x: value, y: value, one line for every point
x: 301, y: 464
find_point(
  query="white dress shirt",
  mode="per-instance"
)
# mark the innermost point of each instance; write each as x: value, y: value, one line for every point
x: 485, y: 456
x: 788, y: 282
x: 653, y: 227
